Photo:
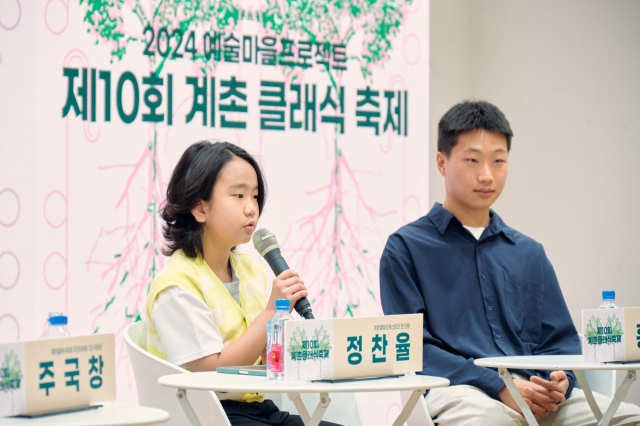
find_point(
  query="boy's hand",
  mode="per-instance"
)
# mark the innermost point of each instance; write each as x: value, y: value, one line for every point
x: 540, y: 395
x: 524, y: 386
x: 287, y: 285
x: 556, y: 388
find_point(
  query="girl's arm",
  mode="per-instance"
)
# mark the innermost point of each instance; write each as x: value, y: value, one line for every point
x: 247, y: 348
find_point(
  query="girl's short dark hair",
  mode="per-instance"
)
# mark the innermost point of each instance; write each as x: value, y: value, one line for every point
x: 467, y: 116
x: 191, y: 181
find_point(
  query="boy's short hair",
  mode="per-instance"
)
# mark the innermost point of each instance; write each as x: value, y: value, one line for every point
x: 471, y: 115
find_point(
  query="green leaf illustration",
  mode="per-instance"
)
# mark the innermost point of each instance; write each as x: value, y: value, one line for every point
x: 11, y: 369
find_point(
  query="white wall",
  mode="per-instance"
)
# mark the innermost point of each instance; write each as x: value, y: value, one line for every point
x: 567, y: 76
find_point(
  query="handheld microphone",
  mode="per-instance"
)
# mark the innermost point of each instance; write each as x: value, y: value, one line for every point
x: 265, y: 242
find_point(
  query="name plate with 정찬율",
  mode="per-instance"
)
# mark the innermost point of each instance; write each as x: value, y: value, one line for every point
x: 42, y: 376
x: 345, y: 348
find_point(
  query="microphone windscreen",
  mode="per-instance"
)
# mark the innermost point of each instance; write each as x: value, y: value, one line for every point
x: 264, y: 241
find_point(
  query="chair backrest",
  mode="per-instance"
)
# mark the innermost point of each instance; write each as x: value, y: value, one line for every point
x: 148, y: 368
x: 600, y: 381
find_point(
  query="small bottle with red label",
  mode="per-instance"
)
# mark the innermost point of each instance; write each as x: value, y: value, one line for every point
x: 275, y: 340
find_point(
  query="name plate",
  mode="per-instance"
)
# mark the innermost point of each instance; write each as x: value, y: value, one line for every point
x: 611, y: 334
x: 345, y: 348
x: 43, y: 376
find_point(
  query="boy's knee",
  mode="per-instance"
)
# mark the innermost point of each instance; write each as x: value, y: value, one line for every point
x: 499, y: 414
x: 467, y: 405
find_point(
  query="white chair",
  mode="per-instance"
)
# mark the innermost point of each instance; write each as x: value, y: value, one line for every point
x: 148, y: 368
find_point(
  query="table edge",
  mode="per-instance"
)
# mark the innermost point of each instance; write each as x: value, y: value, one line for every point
x: 440, y: 383
x: 503, y: 362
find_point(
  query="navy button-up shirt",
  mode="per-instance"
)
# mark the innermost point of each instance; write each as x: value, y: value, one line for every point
x: 495, y: 296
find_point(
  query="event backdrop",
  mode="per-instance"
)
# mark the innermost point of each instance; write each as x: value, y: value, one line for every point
x: 99, y: 98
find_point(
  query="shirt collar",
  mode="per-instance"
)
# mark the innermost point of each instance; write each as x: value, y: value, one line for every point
x: 442, y: 217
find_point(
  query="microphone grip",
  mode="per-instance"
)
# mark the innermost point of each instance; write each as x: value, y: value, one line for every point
x: 279, y: 265
x: 276, y: 261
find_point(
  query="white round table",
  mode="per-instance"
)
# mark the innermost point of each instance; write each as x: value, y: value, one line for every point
x: 107, y: 415
x: 213, y: 381
x: 575, y: 363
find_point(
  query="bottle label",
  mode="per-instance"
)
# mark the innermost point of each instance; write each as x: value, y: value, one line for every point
x: 275, y: 358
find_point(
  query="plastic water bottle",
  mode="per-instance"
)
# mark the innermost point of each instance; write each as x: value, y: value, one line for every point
x: 608, y: 299
x: 275, y: 340
x: 57, y: 327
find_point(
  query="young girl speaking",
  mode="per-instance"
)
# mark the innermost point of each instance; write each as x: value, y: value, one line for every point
x: 208, y: 307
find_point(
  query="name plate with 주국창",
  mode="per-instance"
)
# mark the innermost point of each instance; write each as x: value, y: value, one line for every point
x: 346, y: 348
x: 42, y: 376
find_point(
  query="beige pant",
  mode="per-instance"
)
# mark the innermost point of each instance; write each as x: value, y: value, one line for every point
x: 468, y: 405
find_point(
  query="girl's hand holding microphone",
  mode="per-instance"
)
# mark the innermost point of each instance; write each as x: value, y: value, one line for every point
x: 287, y: 285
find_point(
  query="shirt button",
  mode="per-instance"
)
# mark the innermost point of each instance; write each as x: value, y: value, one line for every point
x: 483, y: 276
x: 490, y: 308
x: 498, y: 336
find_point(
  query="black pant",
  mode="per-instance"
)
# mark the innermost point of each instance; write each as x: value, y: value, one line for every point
x: 261, y: 414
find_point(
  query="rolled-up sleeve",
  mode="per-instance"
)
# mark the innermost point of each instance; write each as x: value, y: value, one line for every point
x: 186, y: 326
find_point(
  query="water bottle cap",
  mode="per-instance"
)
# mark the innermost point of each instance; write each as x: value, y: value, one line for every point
x: 58, y: 320
x: 608, y: 294
x: 283, y: 304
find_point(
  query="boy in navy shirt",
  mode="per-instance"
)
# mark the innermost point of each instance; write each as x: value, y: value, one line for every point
x: 484, y: 288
